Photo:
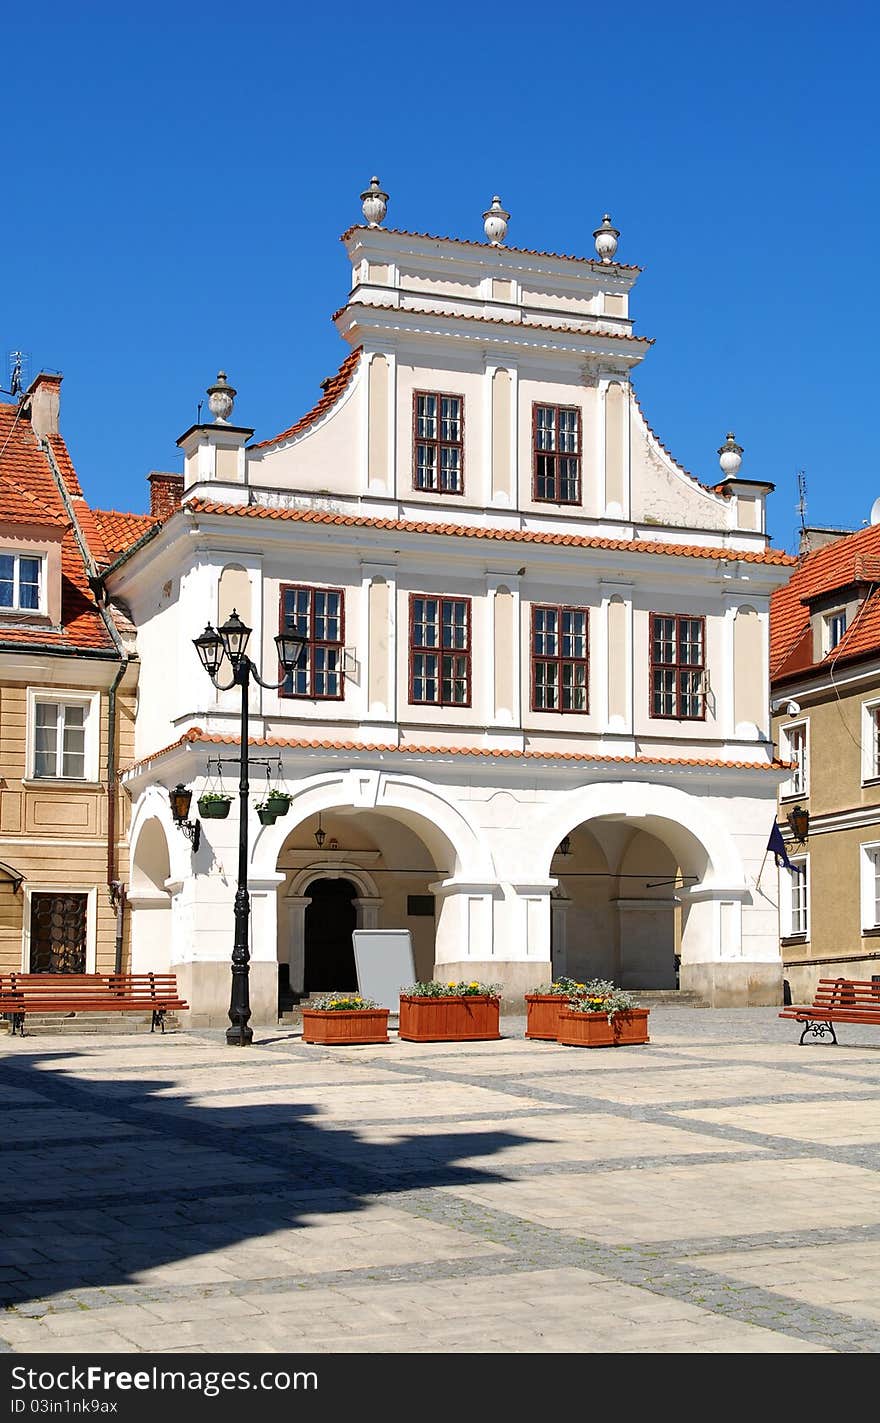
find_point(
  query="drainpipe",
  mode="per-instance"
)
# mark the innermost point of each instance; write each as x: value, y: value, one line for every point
x: 115, y: 887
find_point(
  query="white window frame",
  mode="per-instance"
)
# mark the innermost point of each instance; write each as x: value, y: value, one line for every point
x: 870, y: 767
x: 786, y: 900
x: 91, y: 893
x: 827, y: 619
x: 18, y: 554
x: 91, y: 701
x: 869, y: 884
x: 789, y: 788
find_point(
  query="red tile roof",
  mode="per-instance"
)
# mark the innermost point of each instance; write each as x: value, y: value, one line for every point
x: 118, y: 531
x: 24, y: 465
x: 495, y: 321
x: 19, y: 506
x: 333, y: 389
x: 482, y: 531
x: 520, y: 251
x: 852, y: 559
x: 196, y: 734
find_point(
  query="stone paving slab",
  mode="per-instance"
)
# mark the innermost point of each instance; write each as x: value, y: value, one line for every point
x: 717, y: 1191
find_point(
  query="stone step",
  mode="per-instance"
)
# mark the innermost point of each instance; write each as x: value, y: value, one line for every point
x: 113, y: 1024
x: 675, y: 997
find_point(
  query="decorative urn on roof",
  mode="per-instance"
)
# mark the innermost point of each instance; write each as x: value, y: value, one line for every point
x: 495, y: 221
x: 221, y: 398
x: 730, y: 457
x: 606, y: 239
x: 374, y: 203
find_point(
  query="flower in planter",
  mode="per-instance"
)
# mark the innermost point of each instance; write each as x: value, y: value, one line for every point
x: 600, y: 995
x: 343, y: 1003
x: 563, y: 987
x: 462, y: 989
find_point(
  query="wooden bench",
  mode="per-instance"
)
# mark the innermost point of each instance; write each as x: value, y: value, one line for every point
x: 27, y: 993
x: 837, y: 1000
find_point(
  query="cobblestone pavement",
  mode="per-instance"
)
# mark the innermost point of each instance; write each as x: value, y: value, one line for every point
x: 716, y: 1191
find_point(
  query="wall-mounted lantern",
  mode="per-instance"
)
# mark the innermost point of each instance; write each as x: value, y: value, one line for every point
x: 799, y: 821
x: 181, y: 799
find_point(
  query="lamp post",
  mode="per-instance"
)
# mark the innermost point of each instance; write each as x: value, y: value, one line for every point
x: 230, y: 641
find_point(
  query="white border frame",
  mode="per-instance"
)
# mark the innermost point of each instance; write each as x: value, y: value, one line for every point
x: 867, y: 850
x: 867, y: 774
x: 92, y: 702
x: 91, y: 893
x: 785, y: 900
x: 43, y: 558
x: 786, y: 790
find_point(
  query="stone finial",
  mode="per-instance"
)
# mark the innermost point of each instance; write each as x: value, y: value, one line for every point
x: 730, y: 457
x: 606, y: 239
x: 374, y: 203
x: 495, y: 221
x: 221, y: 398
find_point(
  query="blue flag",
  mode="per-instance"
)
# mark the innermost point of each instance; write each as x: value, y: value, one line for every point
x: 777, y: 845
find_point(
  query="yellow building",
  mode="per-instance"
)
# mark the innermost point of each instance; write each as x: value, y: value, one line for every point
x: 825, y: 681
x: 67, y: 686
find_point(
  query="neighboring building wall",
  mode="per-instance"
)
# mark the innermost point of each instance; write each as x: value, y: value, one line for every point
x: 56, y: 835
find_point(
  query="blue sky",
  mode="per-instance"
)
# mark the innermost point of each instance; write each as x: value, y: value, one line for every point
x: 176, y: 186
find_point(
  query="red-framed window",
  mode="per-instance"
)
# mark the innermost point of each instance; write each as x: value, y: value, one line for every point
x: 318, y: 615
x: 439, y: 651
x: 438, y: 442
x: 678, y: 667
x: 556, y: 453
x: 560, y: 659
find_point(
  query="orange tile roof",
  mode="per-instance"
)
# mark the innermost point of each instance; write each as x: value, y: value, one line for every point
x: 853, y: 558
x: 196, y: 734
x: 481, y: 531
x: 520, y: 251
x: 333, y: 389
x: 19, y: 506
x: 24, y: 465
x: 494, y: 321
x: 118, y: 531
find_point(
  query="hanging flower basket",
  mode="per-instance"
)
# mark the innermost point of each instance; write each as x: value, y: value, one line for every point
x: 267, y: 813
x: 279, y: 801
x: 213, y: 806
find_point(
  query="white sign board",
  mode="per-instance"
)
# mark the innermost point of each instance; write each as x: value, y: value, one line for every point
x: 384, y: 962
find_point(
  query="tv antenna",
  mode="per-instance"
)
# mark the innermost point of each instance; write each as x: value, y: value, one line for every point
x: 801, y: 506
x: 17, y: 373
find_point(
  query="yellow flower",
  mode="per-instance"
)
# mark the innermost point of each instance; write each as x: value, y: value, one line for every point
x: 451, y: 984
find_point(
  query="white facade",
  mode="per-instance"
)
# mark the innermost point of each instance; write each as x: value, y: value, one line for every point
x: 656, y: 763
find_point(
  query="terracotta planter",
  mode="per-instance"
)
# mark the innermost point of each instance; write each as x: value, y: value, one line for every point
x: 594, y: 1029
x: 465, y: 1019
x: 345, y: 1025
x: 543, y: 1015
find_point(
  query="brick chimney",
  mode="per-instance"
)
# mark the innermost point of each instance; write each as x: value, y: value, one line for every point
x: 166, y: 492
x: 44, y: 402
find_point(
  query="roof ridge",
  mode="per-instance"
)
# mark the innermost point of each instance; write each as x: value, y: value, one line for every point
x: 494, y: 320
x: 481, y: 531
x: 504, y: 247
x: 198, y: 734
x: 334, y: 388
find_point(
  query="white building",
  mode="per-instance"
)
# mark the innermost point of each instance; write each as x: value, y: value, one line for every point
x: 531, y: 631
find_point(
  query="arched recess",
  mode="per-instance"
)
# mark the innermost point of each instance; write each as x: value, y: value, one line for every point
x: 449, y: 836
x: 234, y: 592
x: 148, y: 899
x: 701, y: 843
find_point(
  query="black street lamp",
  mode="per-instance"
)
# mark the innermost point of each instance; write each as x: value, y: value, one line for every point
x: 231, y: 641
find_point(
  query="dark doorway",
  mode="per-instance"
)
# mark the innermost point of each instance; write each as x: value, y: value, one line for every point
x: 329, y: 952
x: 58, y: 933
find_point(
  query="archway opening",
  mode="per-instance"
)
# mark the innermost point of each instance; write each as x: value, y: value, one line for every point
x: 390, y: 876
x: 330, y: 920
x: 149, y: 901
x: 616, y: 911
